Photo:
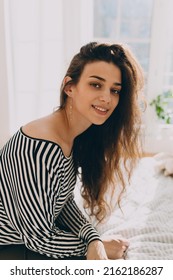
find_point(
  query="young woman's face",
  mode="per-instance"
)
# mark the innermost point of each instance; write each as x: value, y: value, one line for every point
x: 97, y: 93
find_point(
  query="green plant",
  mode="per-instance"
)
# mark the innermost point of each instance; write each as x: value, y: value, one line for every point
x: 161, y: 106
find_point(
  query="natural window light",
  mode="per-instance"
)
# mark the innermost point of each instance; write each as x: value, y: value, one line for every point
x: 146, y: 26
x: 134, y: 23
x: 125, y: 21
x: 40, y: 38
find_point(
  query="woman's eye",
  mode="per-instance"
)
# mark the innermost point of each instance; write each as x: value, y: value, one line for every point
x: 95, y: 85
x: 115, y: 91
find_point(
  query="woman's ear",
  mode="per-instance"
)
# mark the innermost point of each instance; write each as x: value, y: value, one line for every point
x: 67, y: 86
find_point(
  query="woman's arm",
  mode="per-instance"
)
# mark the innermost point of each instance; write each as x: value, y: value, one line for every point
x: 29, y: 194
x: 72, y: 217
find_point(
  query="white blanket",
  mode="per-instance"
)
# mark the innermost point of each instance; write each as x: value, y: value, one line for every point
x: 147, y: 218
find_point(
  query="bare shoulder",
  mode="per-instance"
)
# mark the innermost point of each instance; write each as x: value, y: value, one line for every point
x: 43, y: 128
x: 50, y: 128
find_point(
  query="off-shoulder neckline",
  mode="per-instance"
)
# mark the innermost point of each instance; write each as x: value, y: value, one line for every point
x: 46, y: 141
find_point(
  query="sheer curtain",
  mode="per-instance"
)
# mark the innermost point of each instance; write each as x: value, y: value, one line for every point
x: 41, y: 38
x: 159, y: 137
x: 34, y: 41
x: 146, y: 25
x: 4, y: 109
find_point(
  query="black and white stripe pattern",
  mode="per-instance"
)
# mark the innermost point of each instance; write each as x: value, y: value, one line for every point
x: 36, y: 195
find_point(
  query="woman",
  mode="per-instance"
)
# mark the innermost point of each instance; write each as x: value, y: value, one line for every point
x: 95, y: 127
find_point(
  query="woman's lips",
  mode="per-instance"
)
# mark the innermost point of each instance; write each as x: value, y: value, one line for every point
x: 100, y: 110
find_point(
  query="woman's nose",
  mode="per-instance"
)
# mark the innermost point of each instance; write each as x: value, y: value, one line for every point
x: 105, y: 96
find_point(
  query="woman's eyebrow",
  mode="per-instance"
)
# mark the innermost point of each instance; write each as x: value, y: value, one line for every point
x: 102, y: 79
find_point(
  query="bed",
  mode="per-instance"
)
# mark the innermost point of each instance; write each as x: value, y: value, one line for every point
x: 146, y: 219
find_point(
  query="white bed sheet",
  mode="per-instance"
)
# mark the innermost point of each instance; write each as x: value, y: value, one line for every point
x: 147, y: 217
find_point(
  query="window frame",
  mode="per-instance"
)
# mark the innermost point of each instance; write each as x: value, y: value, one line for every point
x: 154, y: 130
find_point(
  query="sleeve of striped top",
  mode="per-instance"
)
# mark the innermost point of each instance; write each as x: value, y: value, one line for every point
x: 35, y: 218
x: 72, y: 218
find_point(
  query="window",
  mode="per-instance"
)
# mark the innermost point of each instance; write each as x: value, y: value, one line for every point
x: 125, y: 21
x: 168, y: 77
x: 34, y: 51
x: 146, y: 26
x: 42, y: 36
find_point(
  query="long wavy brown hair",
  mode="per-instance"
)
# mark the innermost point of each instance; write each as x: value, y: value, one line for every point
x: 106, y: 154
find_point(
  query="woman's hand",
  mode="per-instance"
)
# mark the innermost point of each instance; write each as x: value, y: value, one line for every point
x: 96, y: 251
x: 115, y: 248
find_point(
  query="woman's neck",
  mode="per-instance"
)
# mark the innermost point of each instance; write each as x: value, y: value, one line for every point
x: 73, y: 124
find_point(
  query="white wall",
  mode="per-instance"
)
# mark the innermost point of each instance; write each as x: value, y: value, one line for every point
x: 40, y: 39
x: 42, y: 36
x: 34, y: 36
x: 158, y: 137
x: 4, y: 109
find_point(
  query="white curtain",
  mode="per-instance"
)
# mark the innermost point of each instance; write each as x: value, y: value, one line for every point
x: 4, y: 109
x: 41, y: 38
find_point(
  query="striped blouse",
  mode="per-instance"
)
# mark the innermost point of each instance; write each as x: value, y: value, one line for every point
x: 36, y: 199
